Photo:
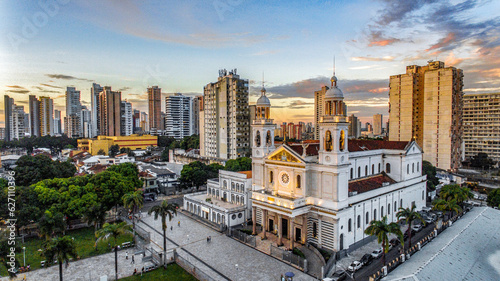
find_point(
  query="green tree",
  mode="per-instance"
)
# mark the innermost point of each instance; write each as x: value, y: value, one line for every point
x: 134, y: 202
x: 239, y: 164
x: 5, y: 249
x: 164, y: 210
x: 127, y: 150
x: 430, y: 171
x: 448, y: 206
x: 113, y: 231
x: 455, y: 191
x: 32, y: 169
x: 494, y: 198
x: 481, y: 160
x: 101, y: 152
x: 381, y: 230
x: 164, y: 141
x: 51, y: 224
x: 113, y: 150
x: 60, y: 249
x: 165, y: 155
x: 110, y: 187
x: 29, y: 207
x: 409, y: 215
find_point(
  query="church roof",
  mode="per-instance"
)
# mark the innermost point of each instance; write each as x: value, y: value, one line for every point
x: 369, y: 183
x: 247, y: 173
x: 363, y: 145
x: 312, y: 149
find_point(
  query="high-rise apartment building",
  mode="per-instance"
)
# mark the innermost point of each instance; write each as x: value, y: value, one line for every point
x: 354, y: 129
x: 319, y: 97
x: 154, y: 105
x: 227, y: 119
x: 8, y: 104
x: 110, y: 112
x: 72, y: 123
x: 46, y: 116
x: 144, y: 122
x: 481, y: 125
x: 95, y: 90
x: 426, y: 104
x: 86, y: 122
x: 136, y: 121
x: 18, y: 122
x: 178, y: 121
x: 377, y: 124
x: 127, y: 120
x: 197, y: 101
x: 57, y: 122
x: 34, y: 111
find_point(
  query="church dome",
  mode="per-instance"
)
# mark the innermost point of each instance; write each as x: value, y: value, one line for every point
x: 263, y: 101
x: 334, y: 91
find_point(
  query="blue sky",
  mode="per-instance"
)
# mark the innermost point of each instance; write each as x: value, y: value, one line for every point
x: 180, y: 45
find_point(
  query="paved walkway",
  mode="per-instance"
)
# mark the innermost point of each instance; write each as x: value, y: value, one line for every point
x: 223, y: 258
x: 88, y: 269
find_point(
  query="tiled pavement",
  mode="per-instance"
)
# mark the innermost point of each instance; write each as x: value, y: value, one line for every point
x: 222, y: 253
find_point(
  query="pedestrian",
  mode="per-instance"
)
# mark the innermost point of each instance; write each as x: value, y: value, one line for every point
x: 135, y: 271
x: 126, y: 255
x: 179, y: 223
x: 210, y: 238
x: 133, y: 261
x: 142, y: 270
x: 207, y: 239
x: 171, y: 228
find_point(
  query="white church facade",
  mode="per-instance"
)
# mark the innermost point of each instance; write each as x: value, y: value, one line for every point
x: 326, y: 192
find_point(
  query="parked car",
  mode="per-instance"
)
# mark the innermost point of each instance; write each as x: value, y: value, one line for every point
x: 355, y: 265
x: 366, y: 259
x: 377, y: 253
x: 394, y: 242
x: 417, y: 227
x: 427, y: 209
x: 428, y: 219
x: 405, y: 236
x: 339, y: 275
x: 439, y: 214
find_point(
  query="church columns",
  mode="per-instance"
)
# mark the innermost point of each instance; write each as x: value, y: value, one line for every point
x: 280, y: 230
x: 266, y: 222
x: 291, y: 234
x: 254, y: 220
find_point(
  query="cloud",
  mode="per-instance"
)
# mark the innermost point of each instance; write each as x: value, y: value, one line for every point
x: 444, y: 42
x: 386, y: 58
x: 51, y: 86
x: 66, y: 77
x: 396, y: 11
x: 124, y: 89
x: 16, y: 89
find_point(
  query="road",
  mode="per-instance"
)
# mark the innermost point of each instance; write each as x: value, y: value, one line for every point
x: 366, y: 271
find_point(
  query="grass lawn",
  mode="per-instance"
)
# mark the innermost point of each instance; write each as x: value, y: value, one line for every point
x: 173, y: 273
x: 84, y: 240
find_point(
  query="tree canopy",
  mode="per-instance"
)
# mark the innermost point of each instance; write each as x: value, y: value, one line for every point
x: 494, y: 198
x: 55, y: 144
x: 481, y: 160
x: 32, y: 169
x: 430, y: 171
x: 239, y: 164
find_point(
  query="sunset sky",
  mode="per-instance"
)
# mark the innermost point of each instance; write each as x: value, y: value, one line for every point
x: 181, y: 45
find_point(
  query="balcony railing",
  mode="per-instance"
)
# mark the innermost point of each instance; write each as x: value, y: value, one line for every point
x: 278, y: 200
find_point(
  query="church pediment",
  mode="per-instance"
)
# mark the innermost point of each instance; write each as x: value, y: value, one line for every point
x: 283, y: 154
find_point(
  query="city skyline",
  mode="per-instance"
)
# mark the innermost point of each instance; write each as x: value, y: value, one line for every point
x: 181, y: 46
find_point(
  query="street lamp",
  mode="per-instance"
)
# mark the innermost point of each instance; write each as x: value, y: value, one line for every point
x: 237, y: 273
x: 24, y: 256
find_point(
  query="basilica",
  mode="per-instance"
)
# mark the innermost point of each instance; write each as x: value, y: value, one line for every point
x: 326, y: 192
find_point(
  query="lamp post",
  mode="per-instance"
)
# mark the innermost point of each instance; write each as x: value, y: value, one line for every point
x: 24, y: 256
x: 237, y: 273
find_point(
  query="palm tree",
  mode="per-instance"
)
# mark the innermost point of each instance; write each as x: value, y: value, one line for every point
x: 163, y: 211
x: 60, y: 249
x: 114, y: 231
x: 51, y: 224
x: 463, y: 194
x: 95, y: 215
x: 381, y: 230
x: 133, y: 201
x: 448, y: 206
x: 409, y: 215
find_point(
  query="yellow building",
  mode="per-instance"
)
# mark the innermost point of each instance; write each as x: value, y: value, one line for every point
x: 134, y: 142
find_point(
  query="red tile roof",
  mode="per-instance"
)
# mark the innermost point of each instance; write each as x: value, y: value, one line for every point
x: 363, y: 145
x: 311, y: 149
x: 369, y: 183
x: 247, y: 173
x: 98, y: 168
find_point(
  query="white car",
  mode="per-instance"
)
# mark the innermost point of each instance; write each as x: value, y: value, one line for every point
x: 355, y: 265
x: 377, y: 253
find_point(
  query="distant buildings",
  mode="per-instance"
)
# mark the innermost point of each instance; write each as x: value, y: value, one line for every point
x: 18, y: 128
x: 354, y: 129
x: 86, y: 121
x: 154, y: 105
x: 95, y: 90
x: 57, y: 122
x: 226, y: 131
x: 104, y: 143
x: 426, y: 105
x: 110, y: 112
x: 319, y: 97
x: 8, y: 104
x: 195, y: 112
x: 72, y: 121
x: 46, y: 116
x: 179, y: 116
x: 34, y: 111
x: 481, y: 125
x: 127, y: 126
x: 377, y: 124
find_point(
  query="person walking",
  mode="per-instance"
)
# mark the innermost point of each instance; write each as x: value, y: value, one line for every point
x: 126, y: 255
x: 171, y: 228
x: 133, y: 261
x: 179, y: 223
x: 142, y: 270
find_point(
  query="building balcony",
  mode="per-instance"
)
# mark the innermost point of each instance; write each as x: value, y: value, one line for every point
x: 278, y: 200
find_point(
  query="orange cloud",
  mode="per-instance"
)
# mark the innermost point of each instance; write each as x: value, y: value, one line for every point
x: 379, y: 90
x: 451, y: 60
x: 382, y: 42
x: 450, y: 38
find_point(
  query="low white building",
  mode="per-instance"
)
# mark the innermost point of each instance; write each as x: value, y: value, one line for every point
x: 226, y: 201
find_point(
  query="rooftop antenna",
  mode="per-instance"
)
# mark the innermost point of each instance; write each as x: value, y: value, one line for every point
x: 334, y: 65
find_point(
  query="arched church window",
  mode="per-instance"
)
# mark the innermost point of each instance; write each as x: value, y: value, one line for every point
x: 257, y: 139
x: 268, y: 138
x: 387, y: 168
x: 328, y: 141
x: 342, y: 140
x: 298, y: 181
